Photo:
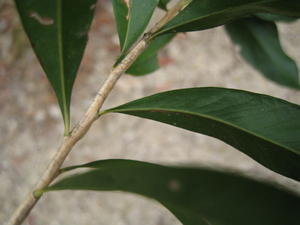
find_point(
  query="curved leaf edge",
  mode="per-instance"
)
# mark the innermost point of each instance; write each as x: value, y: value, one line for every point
x: 105, y: 164
x: 250, y: 12
x: 104, y: 176
x: 116, y: 110
x: 278, y: 153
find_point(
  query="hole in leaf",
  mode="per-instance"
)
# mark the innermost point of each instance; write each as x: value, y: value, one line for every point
x: 42, y: 20
x: 174, y: 185
x: 128, y: 6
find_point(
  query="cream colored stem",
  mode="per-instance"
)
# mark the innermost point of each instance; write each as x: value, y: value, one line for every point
x: 77, y: 133
x: 85, y: 123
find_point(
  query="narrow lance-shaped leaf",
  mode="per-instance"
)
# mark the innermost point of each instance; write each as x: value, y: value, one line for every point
x: 265, y: 128
x: 132, y: 18
x: 147, y: 62
x: 204, y: 14
x: 196, y: 196
x: 57, y: 30
x: 260, y: 46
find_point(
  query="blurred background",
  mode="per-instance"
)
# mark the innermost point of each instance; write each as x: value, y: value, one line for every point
x: 31, y: 126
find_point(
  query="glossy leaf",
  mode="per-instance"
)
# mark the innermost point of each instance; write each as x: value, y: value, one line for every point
x: 163, y: 4
x: 265, y: 128
x: 196, y: 196
x: 132, y: 18
x: 204, y: 14
x: 58, y: 31
x: 147, y: 62
x: 260, y: 46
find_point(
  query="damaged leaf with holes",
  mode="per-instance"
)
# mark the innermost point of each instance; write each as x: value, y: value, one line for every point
x: 57, y: 30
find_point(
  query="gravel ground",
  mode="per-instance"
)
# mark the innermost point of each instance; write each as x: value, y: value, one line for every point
x: 31, y: 126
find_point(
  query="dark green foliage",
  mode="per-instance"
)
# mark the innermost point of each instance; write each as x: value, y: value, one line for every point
x: 260, y: 46
x: 147, y: 62
x: 196, y: 196
x: 275, y: 18
x: 265, y: 128
x: 132, y: 20
x: 205, y: 14
x: 57, y: 30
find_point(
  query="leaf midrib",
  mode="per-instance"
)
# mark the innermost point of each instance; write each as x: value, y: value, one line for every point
x: 61, y: 63
x: 207, y: 117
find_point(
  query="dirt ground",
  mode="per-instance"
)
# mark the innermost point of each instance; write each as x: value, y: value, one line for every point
x: 31, y: 125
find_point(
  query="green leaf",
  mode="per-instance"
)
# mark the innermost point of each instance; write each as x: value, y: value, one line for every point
x: 265, y: 128
x: 196, y: 196
x: 58, y: 31
x: 260, y: 46
x: 143, y: 67
x: 205, y: 14
x: 132, y: 18
x: 276, y: 18
x: 163, y: 4
x: 147, y: 62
